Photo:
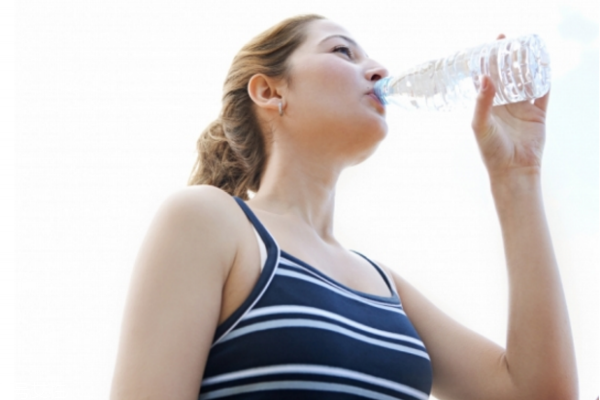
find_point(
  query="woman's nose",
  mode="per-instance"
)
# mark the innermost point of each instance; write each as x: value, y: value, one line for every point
x: 376, y: 72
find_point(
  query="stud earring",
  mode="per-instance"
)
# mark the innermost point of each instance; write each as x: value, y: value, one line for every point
x: 281, y: 108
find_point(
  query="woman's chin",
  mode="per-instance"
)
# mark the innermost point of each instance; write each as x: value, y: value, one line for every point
x: 369, y: 147
x: 379, y: 131
x: 365, y: 155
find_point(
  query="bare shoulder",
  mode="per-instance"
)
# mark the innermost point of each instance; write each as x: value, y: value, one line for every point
x: 204, y: 219
x: 175, y: 295
x: 201, y: 203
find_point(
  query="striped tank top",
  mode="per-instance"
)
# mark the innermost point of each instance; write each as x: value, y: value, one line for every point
x: 302, y: 335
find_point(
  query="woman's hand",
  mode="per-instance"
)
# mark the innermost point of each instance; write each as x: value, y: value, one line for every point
x: 510, y: 137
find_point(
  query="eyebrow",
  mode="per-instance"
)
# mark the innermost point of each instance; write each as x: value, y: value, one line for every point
x: 346, y: 38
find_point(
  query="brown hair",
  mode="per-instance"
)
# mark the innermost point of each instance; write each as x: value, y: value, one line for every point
x: 231, y: 150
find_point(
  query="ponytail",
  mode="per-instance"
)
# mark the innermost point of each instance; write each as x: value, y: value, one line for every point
x: 231, y: 150
x: 234, y: 166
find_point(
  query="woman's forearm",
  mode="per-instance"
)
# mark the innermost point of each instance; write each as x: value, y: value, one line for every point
x: 539, y: 350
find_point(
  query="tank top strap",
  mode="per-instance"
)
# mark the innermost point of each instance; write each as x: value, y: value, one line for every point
x: 263, y: 233
x: 385, y: 276
x: 265, y: 278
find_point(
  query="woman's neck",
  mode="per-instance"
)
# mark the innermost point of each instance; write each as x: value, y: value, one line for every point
x: 301, y: 190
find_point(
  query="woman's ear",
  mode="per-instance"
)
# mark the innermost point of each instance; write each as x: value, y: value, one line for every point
x: 264, y: 92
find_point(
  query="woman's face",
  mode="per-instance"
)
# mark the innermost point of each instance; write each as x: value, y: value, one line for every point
x: 329, y: 99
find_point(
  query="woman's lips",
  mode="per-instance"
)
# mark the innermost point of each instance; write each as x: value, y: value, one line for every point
x: 372, y: 95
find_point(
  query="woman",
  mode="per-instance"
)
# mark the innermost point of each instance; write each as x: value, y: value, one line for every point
x: 211, y: 314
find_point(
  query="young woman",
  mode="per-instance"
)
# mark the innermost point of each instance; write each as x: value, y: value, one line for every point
x: 242, y: 298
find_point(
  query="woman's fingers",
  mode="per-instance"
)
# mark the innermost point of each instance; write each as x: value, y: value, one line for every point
x: 481, y: 119
x: 542, y: 102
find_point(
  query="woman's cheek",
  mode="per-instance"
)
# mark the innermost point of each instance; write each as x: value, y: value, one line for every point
x: 328, y: 88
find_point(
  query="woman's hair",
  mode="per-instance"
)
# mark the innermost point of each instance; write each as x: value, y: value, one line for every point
x: 231, y: 150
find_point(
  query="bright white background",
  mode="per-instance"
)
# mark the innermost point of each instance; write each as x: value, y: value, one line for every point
x: 111, y: 97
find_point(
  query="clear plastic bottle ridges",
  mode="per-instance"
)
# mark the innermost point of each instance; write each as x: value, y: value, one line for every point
x: 519, y: 68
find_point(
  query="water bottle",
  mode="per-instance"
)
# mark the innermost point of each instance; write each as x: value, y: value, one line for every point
x: 519, y: 68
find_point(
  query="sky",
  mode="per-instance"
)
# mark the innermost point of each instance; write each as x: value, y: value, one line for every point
x: 110, y: 97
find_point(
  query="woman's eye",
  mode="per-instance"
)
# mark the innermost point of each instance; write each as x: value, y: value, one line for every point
x: 343, y: 49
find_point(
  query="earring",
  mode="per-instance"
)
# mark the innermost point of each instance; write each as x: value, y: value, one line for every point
x: 281, y: 108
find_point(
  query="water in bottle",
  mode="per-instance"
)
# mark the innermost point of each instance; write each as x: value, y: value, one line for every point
x: 519, y: 68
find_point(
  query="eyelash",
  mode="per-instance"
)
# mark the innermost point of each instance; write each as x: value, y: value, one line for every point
x: 346, y: 48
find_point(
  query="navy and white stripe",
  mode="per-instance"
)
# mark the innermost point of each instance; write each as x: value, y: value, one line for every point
x: 301, y: 334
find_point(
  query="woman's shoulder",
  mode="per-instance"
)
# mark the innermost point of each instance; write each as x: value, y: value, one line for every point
x: 202, y: 203
x: 201, y: 192
x: 202, y: 215
x: 181, y: 269
x: 199, y: 229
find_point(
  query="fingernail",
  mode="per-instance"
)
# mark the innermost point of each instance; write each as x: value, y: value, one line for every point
x: 484, y: 84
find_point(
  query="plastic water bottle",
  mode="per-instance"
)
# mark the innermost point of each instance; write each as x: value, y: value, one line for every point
x: 519, y: 68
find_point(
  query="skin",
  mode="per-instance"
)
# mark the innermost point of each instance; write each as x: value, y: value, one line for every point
x: 200, y: 259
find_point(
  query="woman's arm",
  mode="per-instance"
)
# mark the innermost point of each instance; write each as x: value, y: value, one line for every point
x: 539, y: 350
x: 540, y: 355
x: 174, y: 298
x: 539, y: 359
